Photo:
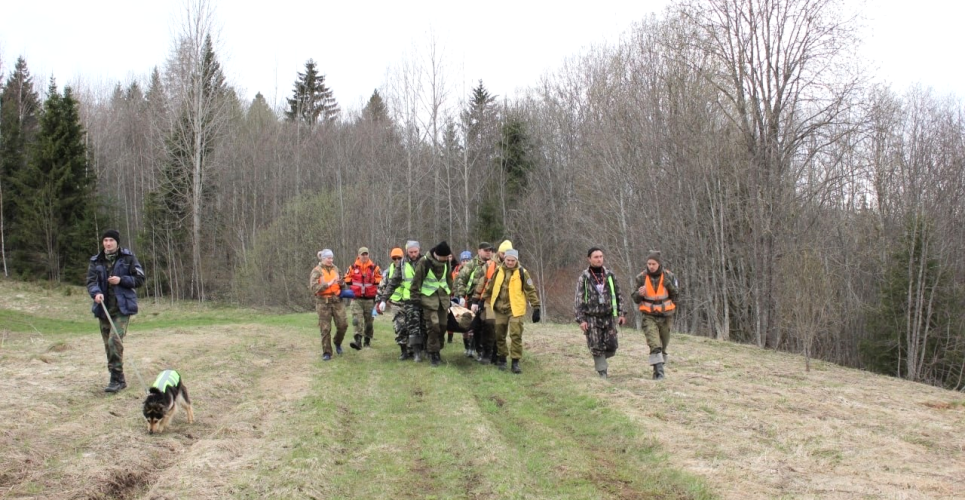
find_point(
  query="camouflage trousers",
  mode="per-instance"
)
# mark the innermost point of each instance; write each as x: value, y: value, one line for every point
x: 415, y: 328
x: 398, y: 324
x: 601, y: 335
x: 657, y: 330
x: 362, y: 317
x: 513, y: 325
x: 114, y: 341
x: 329, y: 309
x: 436, y: 321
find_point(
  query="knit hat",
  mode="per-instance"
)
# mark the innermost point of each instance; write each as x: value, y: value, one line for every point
x: 411, y: 244
x: 485, y: 246
x: 326, y: 253
x: 512, y: 253
x: 506, y: 245
x: 655, y: 255
x: 465, y: 255
x: 442, y: 250
x: 112, y: 234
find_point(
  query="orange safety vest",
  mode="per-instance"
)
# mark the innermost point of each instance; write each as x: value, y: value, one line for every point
x: 363, y: 279
x: 325, y: 276
x: 656, y: 301
x: 490, y: 271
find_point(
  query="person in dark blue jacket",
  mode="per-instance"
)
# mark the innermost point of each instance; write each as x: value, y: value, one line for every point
x: 112, y: 276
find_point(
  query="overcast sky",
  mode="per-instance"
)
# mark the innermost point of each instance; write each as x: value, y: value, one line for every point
x: 507, y: 44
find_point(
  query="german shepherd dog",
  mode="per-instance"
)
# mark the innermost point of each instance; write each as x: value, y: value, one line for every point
x: 163, y: 399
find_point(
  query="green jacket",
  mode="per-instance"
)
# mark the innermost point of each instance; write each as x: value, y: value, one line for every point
x: 442, y: 270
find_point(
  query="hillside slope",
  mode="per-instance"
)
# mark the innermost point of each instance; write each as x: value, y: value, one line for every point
x: 275, y: 422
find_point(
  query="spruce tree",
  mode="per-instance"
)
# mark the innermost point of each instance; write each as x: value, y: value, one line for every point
x: 312, y: 101
x: 375, y: 110
x: 56, y: 202
x: 19, y: 108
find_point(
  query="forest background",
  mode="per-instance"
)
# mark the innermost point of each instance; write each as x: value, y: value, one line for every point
x: 803, y: 205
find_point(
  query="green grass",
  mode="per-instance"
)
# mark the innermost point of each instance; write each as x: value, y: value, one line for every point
x: 380, y: 428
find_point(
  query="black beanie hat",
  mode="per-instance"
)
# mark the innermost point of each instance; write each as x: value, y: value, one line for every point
x: 113, y: 234
x: 442, y: 250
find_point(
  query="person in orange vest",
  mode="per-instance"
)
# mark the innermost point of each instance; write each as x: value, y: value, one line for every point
x: 656, y: 292
x: 363, y: 278
x: 487, y: 342
x: 327, y: 286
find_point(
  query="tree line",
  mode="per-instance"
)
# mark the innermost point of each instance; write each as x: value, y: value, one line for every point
x: 802, y: 205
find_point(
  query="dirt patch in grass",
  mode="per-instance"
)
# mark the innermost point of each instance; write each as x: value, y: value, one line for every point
x: 65, y: 438
x: 755, y: 424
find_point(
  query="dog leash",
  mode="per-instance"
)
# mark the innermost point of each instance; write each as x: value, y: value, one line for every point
x: 131, y: 360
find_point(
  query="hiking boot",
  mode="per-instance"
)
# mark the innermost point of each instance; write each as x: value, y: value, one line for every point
x: 515, y: 368
x: 436, y: 359
x: 338, y: 350
x: 404, y: 355
x: 357, y: 343
x: 449, y: 341
x: 602, y: 374
x: 658, y: 371
x: 501, y: 362
x: 418, y: 356
x: 326, y: 357
x: 367, y: 343
x: 117, y: 383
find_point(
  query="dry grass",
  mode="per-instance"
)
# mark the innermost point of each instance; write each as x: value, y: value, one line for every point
x: 756, y: 425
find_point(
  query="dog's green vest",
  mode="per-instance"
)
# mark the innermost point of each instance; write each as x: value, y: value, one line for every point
x: 167, y: 378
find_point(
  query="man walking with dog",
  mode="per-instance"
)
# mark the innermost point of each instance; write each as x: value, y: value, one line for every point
x: 112, y: 276
x: 363, y: 279
x: 656, y: 292
x: 327, y: 285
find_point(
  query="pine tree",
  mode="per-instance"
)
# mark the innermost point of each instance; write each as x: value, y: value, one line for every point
x: 56, y: 202
x: 312, y: 101
x: 375, y: 110
x: 19, y: 107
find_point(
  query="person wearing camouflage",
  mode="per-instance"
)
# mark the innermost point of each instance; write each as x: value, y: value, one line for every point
x: 397, y: 298
x: 656, y: 292
x: 112, y: 276
x: 431, y: 287
x: 400, y: 289
x: 488, y: 339
x: 599, y: 309
x: 363, y: 278
x: 470, y: 275
x: 326, y: 284
x: 507, y: 293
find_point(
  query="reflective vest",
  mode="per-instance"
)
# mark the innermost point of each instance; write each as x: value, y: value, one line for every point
x: 326, y: 275
x: 402, y: 291
x: 362, y: 280
x: 490, y: 271
x: 656, y: 301
x: 613, y: 293
x: 167, y: 378
x: 431, y: 283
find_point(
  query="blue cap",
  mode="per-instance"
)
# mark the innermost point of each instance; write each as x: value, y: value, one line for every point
x: 465, y: 255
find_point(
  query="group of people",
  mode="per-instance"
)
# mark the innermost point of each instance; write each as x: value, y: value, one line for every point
x: 422, y: 288
x: 497, y: 289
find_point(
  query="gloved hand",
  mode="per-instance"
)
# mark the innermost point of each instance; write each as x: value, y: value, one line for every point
x: 375, y: 311
x: 381, y: 307
x: 536, y: 315
x: 475, y: 307
x: 462, y: 302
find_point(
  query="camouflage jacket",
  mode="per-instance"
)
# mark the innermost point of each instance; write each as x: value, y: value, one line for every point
x: 475, y: 268
x: 594, y: 297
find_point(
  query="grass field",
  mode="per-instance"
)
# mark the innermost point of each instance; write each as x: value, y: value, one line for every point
x: 273, y: 421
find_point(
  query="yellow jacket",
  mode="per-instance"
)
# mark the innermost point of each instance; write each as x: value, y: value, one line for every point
x: 520, y: 290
